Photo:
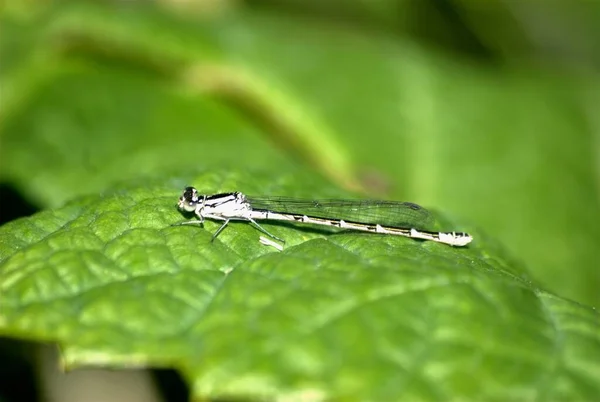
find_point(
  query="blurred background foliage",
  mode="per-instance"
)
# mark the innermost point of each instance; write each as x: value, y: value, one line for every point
x: 483, y: 110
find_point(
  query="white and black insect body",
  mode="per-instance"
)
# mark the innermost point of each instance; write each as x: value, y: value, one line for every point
x: 382, y: 217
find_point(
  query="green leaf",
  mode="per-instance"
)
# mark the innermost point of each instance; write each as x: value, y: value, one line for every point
x: 130, y: 143
x: 132, y: 120
x: 95, y: 94
x: 333, y: 316
x: 511, y: 150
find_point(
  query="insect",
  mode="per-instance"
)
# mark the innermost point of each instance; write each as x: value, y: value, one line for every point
x: 382, y: 217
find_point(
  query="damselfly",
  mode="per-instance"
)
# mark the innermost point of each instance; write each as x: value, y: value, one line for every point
x: 382, y: 217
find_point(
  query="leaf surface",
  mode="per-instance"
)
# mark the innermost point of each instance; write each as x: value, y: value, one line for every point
x: 513, y: 150
x: 334, y: 315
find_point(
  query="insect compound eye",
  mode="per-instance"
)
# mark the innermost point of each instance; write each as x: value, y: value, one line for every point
x: 190, y: 194
x: 189, y: 199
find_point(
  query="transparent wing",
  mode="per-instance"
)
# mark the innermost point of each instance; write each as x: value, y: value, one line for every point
x: 386, y: 213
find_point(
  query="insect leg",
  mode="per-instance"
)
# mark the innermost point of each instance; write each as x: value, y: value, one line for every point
x: 256, y: 225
